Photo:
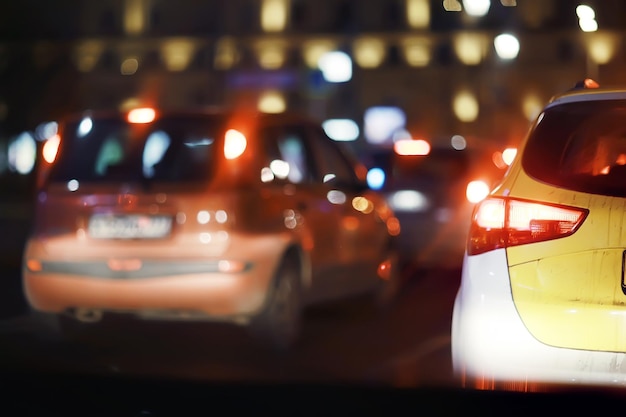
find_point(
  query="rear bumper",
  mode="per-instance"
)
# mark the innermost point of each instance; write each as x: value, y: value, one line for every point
x: 160, y: 287
x: 490, y: 341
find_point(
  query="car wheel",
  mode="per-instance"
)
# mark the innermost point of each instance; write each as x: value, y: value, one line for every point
x: 278, y: 326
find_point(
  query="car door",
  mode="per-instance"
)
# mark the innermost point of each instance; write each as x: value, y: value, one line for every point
x: 292, y: 187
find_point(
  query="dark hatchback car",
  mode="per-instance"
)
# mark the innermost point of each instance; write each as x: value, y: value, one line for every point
x: 433, y: 195
x: 227, y: 216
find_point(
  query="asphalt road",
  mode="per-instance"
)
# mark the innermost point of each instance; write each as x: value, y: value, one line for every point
x: 344, y: 342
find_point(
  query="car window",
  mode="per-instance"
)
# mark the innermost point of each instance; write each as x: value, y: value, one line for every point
x: 287, y: 155
x: 331, y: 164
x: 580, y: 146
x: 170, y: 149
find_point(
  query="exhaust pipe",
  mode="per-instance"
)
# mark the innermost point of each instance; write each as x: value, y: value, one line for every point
x: 88, y: 315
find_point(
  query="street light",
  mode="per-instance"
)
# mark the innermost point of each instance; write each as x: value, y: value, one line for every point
x: 507, y: 46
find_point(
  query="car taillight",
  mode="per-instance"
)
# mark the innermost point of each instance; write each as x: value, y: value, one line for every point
x: 504, y: 222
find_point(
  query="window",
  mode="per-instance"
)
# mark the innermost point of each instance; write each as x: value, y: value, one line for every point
x: 580, y: 146
x: 332, y: 166
x: 288, y: 158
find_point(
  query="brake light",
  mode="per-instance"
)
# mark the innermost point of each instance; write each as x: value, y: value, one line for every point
x: 51, y: 148
x: 411, y: 147
x: 141, y: 115
x: 234, y: 144
x: 503, y: 222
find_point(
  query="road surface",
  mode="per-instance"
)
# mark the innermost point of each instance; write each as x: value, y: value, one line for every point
x: 406, y: 346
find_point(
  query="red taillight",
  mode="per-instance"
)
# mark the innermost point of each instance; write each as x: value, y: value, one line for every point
x: 503, y: 222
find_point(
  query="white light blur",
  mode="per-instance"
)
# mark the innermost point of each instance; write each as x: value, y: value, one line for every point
x: 507, y: 46
x: 336, y: 66
x: 476, y: 8
x: 22, y: 153
x: 205, y: 237
x: 412, y: 147
x: 203, y: 217
x: 46, y: 130
x: 153, y: 151
x: 266, y: 174
x: 51, y: 148
x: 382, y: 122
x: 85, y: 127
x: 376, y: 178
x: 72, y: 185
x: 221, y: 216
x: 476, y: 191
x: 458, y: 142
x: 280, y: 168
x: 588, y: 25
x: 585, y: 12
x: 329, y: 177
x: 408, y: 201
x: 341, y: 129
x: 336, y: 197
x: 235, y: 144
x: 508, y: 155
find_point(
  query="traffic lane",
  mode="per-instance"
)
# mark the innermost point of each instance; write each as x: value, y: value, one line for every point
x: 349, y: 341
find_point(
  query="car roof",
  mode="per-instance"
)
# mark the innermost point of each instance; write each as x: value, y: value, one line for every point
x: 220, y: 112
x: 588, y: 94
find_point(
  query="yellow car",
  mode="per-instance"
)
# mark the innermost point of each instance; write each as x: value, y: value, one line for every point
x: 543, y: 291
x: 230, y: 216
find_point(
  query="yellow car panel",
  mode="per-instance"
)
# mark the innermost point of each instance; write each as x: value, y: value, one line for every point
x: 573, y: 301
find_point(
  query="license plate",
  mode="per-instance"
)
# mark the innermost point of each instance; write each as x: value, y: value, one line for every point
x: 134, y: 226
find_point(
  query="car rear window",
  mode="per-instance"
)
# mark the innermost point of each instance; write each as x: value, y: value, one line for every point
x: 580, y: 146
x: 176, y: 148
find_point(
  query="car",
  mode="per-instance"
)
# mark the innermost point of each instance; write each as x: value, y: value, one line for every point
x: 433, y: 195
x: 542, y: 298
x: 211, y: 215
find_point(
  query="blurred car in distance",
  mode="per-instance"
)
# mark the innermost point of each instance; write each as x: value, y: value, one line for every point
x: 202, y: 215
x: 432, y: 192
x: 543, y: 293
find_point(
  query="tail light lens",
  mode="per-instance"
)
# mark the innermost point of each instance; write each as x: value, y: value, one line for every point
x: 504, y: 222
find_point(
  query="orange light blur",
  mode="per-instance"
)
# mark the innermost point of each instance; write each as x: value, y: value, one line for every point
x: 234, y: 144
x: 51, y: 148
x: 589, y: 83
x: 411, y: 147
x: 393, y: 226
x: 141, y: 115
x: 124, y: 264
x: 34, y: 265
x: 350, y: 223
x: 384, y: 270
x: 498, y: 160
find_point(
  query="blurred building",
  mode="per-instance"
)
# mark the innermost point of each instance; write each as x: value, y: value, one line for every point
x: 441, y: 63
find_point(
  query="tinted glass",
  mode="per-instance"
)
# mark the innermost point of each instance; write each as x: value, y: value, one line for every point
x: 177, y: 148
x: 581, y: 147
